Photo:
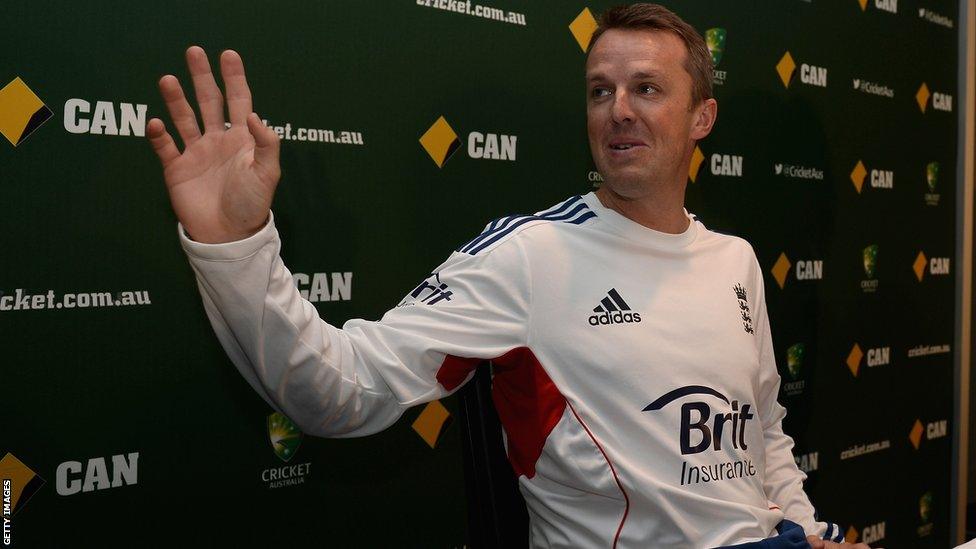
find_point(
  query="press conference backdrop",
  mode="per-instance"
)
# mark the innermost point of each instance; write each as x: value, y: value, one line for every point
x: 406, y: 126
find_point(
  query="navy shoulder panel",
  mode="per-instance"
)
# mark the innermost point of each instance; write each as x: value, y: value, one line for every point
x: 573, y: 211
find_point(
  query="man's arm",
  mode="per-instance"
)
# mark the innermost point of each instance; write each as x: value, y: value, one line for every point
x: 782, y: 480
x: 358, y: 380
x: 331, y: 382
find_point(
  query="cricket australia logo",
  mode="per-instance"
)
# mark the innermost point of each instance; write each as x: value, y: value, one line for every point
x: 740, y: 293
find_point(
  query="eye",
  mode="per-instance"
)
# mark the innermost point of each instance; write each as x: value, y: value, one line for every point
x: 646, y: 89
x: 600, y: 92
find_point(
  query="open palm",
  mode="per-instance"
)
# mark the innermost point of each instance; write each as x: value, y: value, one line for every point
x: 222, y: 184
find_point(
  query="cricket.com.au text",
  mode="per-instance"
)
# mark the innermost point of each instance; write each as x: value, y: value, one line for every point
x: 467, y: 8
x: 22, y: 300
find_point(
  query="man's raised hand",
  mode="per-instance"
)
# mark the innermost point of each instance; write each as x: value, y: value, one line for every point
x: 222, y: 184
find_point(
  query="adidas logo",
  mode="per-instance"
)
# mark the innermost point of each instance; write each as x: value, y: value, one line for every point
x: 613, y: 310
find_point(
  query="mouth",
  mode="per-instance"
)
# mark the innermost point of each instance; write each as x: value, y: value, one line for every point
x: 625, y: 145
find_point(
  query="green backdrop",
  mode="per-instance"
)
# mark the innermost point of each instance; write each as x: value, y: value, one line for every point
x: 861, y: 309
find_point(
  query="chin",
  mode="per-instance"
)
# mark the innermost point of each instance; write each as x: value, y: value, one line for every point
x: 630, y: 185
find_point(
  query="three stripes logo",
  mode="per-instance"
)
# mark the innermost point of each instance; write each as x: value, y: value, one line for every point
x: 573, y: 211
x: 613, y: 310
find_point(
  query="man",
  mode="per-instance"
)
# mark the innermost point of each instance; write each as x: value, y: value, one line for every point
x: 633, y: 365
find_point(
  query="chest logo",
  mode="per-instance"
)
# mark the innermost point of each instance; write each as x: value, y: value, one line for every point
x: 613, y: 310
x: 740, y: 293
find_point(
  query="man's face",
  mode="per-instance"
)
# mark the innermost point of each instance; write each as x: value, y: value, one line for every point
x: 639, y: 115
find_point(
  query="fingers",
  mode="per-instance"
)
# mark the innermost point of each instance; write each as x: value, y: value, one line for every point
x: 161, y: 141
x: 179, y: 110
x: 266, y: 146
x: 235, y: 85
x: 208, y: 94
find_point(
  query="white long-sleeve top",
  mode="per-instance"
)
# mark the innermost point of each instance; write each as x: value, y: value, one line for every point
x: 633, y: 370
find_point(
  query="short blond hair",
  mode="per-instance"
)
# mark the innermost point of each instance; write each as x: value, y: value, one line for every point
x: 646, y: 16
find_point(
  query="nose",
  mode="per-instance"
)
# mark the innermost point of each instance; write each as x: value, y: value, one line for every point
x: 621, y: 111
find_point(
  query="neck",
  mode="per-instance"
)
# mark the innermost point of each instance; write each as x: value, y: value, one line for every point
x: 663, y: 212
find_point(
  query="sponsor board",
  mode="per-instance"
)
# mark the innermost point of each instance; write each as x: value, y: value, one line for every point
x: 940, y: 101
x: 807, y: 463
x: 872, y: 88
x: 869, y: 256
x: 440, y: 141
x: 320, y: 287
x: 715, y: 41
x: 864, y: 449
x: 877, y: 178
x: 719, y: 164
x: 936, y: 18
x: 876, y: 356
x: 466, y: 7
x: 936, y: 266
x: 889, y: 6
x: 810, y: 75
x: 932, y: 170
x: 806, y: 269
x: 796, y: 171
x: 23, y: 300
x: 285, y: 438
x: 794, y: 366
x: 75, y: 477
x: 22, y: 112
x: 926, y: 350
x: 869, y: 534
x: 927, y: 431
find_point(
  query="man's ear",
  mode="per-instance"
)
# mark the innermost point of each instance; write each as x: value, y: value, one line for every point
x: 705, y: 115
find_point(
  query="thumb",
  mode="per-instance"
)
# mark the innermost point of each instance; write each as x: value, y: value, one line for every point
x: 266, y: 148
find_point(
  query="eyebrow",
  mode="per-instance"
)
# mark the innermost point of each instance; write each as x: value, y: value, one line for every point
x: 633, y: 76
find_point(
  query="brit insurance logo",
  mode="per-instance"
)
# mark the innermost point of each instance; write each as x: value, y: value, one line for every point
x: 890, y: 6
x: 21, y: 111
x: 876, y: 356
x: 936, y: 18
x: 715, y: 40
x: 430, y: 291
x: 869, y: 258
x: 806, y: 269
x: 936, y: 266
x: 441, y: 142
x: 319, y: 287
x: 927, y: 431
x: 877, y: 178
x: 940, y: 101
x: 796, y: 171
x: 98, y: 473
x: 794, y: 366
x: 17, y: 484
x: 810, y: 75
x: 285, y: 438
x: 702, y: 431
x: 720, y: 164
x: 932, y: 183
